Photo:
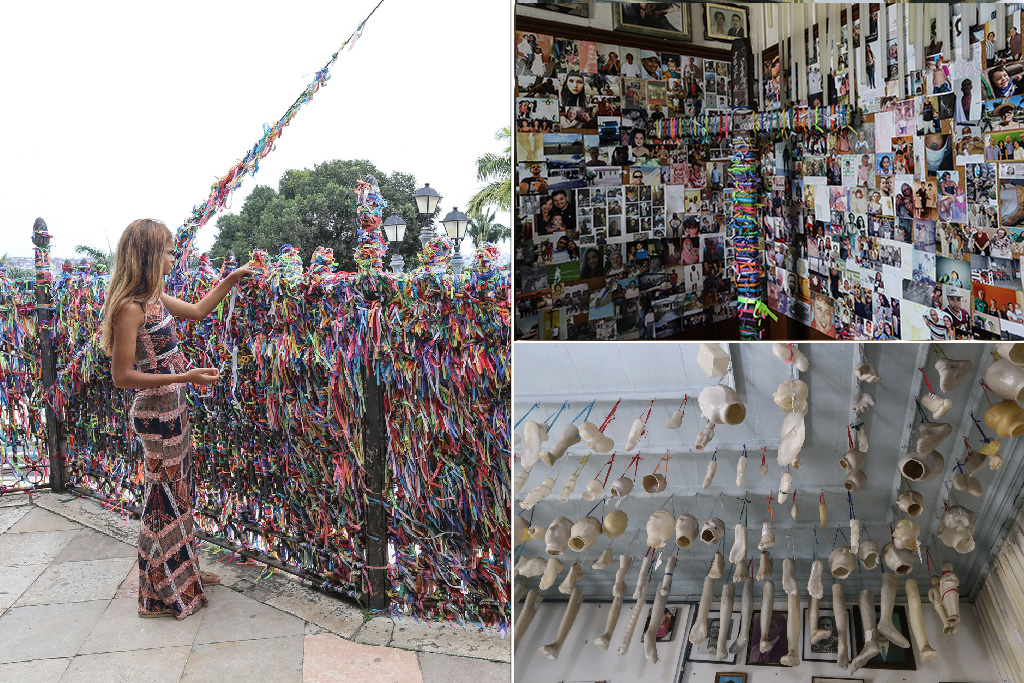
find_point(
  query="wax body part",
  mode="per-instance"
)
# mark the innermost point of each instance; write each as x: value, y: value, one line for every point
x: 619, y: 589
x: 823, y: 514
x: 866, y: 372
x: 951, y: 373
x: 713, y: 360
x: 911, y: 502
x: 950, y: 587
x: 853, y: 460
x: 792, y: 658
x: 766, y: 567
x: 741, y: 571
x: 789, y: 577
x: 699, y: 631
x: 899, y: 560
x: 717, y: 566
x: 675, y: 421
x: 635, y: 432
x: 866, y: 604
x: 537, y: 494
x: 530, y: 566
x: 569, y: 582
x: 862, y: 402
x: 956, y: 529
x: 570, y: 435
x: 922, y: 466
x: 603, y: 640
x: 552, y: 569
x: 794, y: 510
x: 791, y: 354
x: 785, y: 484
x: 935, y: 597
x: 1006, y: 379
x: 916, y: 617
x: 854, y: 481
x: 519, y: 527
x: 709, y: 474
x: 814, y: 586
x: 520, y: 481
x: 841, y: 562
x: 741, y: 471
x: 937, y: 405
x: 842, y: 624
x: 640, y: 592
x: 725, y: 621
x: 854, y: 535
x: 767, y: 537
x: 584, y: 533
x: 712, y: 531
x: 640, y: 595
x: 1012, y: 352
x: 526, y: 615
x: 890, y: 584
x: 614, y: 524
x: 862, y: 441
x: 704, y: 437
x: 738, y: 553
x: 533, y: 434
x: 592, y: 436
x: 791, y: 396
x: 595, y: 487
x: 660, y: 528
x: 556, y: 538
x: 654, y: 483
x: 720, y: 404
x: 791, y: 439
x: 868, y: 553
x: 767, y: 601
x: 552, y: 650
x: 621, y: 487
x: 817, y: 634
x: 904, y: 536
x: 686, y: 530
x: 1006, y: 417
x: 606, y: 558
x: 657, y: 610
x: 931, y: 434
x: 567, y: 488
x: 746, y: 617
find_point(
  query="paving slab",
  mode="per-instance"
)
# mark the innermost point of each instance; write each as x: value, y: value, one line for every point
x: 15, y: 580
x: 33, y: 548
x: 93, y: 545
x: 88, y: 512
x: 8, y: 500
x: 330, y: 659
x: 231, y: 616
x: 38, y: 519
x: 77, y: 582
x: 129, y: 588
x: 443, y: 638
x: 447, y: 669
x: 9, y: 516
x: 270, y: 660
x: 158, y: 665
x: 27, y: 633
x: 120, y: 629
x: 230, y: 574
x: 332, y: 614
x: 36, y: 671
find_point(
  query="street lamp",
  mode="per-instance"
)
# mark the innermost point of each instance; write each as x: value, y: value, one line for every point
x: 394, y: 228
x: 455, y: 224
x: 426, y: 203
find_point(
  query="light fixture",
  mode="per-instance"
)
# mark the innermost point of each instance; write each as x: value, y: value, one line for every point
x: 426, y: 200
x: 394, y: 229
x: 455, y: 224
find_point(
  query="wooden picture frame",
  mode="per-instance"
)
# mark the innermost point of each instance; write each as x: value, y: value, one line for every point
x: 625, y: 19
x: 720, y: 24
x: 730, y: 677
x: 777, y: 626
x: 704, y: 652
x: 896, y: 657
x: 807, y: 651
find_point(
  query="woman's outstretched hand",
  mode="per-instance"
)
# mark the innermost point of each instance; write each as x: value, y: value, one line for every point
x: 240, y: 273
x: 203, y: 376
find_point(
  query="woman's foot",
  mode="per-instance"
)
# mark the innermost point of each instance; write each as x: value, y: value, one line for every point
x: 209, y: 578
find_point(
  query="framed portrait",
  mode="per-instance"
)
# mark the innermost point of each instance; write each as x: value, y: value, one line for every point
x: 667, y: 629
x: 776, y: 636
x: 894, y: 657
x: 730, y: 677
x: 827, y: 649
x: 705, y: 650
x: 668, y: 20
x: 576, y: 9
x: 725, y: 22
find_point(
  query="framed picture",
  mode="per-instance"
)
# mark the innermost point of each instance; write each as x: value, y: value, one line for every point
x: 894, y: 657
x: 725, y: 22
x: 667, y: 629
x: 705, y: 650
x: 832, y: 679
x: 827, y: 649
x: 576, y: 9
x: 776, y: 636
x: 730, y: 677
x: 669, y: 20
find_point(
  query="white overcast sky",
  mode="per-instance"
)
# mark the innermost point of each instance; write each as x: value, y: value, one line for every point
x: 113, y: 111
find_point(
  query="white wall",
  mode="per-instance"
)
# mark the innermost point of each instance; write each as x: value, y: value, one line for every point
x: 962, y: 657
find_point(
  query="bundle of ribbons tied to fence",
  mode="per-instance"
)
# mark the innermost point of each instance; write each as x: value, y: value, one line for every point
x: 280, y: 458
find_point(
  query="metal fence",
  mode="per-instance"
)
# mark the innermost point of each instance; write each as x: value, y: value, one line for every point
x: 358, y: 437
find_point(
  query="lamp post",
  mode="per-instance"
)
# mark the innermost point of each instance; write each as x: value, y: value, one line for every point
x: 426, y: 203
x: 394, y: 229
x: 455, y: 224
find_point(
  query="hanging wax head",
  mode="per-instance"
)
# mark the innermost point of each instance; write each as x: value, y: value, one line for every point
x: 911, y: 502
x: 853, y: 460
x: 556, y: 538
x: 899, y: 560
x: 1013, y: 352
x: 584, y: 533
x: 659, y: 528
x: 686, y: 530
x: 621, y: 487
x: 519, y: 527
x: 654, y: 483
x: 1006, y: 379
x: 855, y: 480
x: 791, y: 396
x: 868, y: 553
x: 905, y: 534
x: 922, y: 466
x: 721, y: 405
x: 614, y: 523
x: 712, y: 531
x: 841, y: 561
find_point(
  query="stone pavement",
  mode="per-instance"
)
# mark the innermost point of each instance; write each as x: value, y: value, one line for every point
x: 68, y: 589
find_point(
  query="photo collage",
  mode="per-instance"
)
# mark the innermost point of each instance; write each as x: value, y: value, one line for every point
x: 618, y: 235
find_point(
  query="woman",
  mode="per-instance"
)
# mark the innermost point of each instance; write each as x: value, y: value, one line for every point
x: 139, y: 330
x: 946, y: 185
x: 612, y: 64
x: 592, y: 264
x: 547, y: 206
x: 870, y: 67
x: 572, y: 94
x: 639, y: 145
x: 1000, y: 247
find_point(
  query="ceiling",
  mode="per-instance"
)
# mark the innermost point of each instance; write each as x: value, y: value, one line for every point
x: 549, y: 374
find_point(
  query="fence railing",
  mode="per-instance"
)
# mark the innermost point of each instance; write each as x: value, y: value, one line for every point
x: 358, y: 437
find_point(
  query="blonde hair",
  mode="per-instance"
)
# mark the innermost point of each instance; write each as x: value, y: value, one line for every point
x: 138, y: 271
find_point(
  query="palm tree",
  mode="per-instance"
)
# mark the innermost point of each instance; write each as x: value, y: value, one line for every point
x: 482, y: 228
x: 14, y: 272
x: 97, y: 256
x: 496, y: 170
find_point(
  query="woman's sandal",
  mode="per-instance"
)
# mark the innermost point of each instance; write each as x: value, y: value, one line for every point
x: 164, y: 613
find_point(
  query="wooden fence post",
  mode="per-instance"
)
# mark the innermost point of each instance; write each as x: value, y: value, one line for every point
x: 44, y: 315
x: 375, y: 444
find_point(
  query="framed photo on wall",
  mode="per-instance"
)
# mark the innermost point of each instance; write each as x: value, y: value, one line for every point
x: 832, y: 679
x: 827, y: 649
x: 895, y: 657
x: 704, y: 651
x: 776, y: 637
x: 669, y: 20
x: 730, y: 677
x: 576, y: 9
x: 725, y: 22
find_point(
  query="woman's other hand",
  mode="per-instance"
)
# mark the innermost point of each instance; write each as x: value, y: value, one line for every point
x: 240, y: 273
x: 202, y: 376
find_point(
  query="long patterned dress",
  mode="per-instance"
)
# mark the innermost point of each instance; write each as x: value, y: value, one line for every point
x: 168, y: 552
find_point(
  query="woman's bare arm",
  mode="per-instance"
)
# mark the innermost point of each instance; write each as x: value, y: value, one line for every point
x: 127, y: 322
x: 198, y: 311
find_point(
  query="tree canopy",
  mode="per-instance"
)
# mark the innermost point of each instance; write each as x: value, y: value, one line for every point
x: 496, y: 170
x: 313, y: 208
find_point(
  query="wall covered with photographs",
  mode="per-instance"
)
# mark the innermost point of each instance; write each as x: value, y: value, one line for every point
x: 619, y: 235
x: 910, y: 223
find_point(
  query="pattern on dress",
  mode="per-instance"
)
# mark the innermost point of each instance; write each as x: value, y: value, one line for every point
x: 168, y: 552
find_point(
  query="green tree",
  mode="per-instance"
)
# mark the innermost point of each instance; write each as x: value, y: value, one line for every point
x: 496, y: 171
x: 97, y: 256
x: 314, y: 208
x: 15, y: 272
x: 483, y: 228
